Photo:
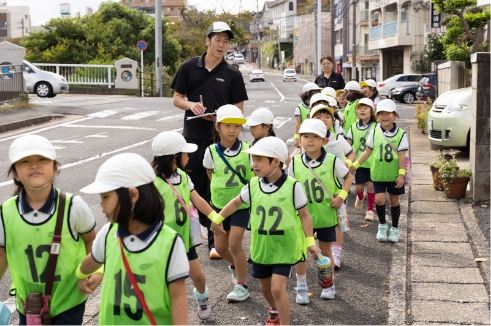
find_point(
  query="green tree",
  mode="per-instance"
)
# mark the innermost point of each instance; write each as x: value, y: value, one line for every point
x: 434, y: 49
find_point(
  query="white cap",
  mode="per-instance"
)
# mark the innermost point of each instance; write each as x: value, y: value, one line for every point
x: 313, y: 126
x: 352, y: 86
x: 318, y: 97
x: 369, y: 82
x: 332, y: 101
x: 229, y: 113
x: 309, y: 87
x: 318, y: 108
x: 386, y: 105
x: 329, y: 91
x: 171, y: 143
x: 269, y: 147
x: 365, y: 101
x: 125, y: 170
x: 31, y: 145
x: 260, y: 116
x: 218, y: 27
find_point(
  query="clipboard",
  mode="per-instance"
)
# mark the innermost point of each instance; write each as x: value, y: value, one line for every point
x: 200, y: 116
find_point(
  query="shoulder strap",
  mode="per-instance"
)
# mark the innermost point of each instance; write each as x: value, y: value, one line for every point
x: 387, y: 139
x: 228, y: 164
x: 320, y: 182
x: 364, y: 136
x: 176, y: 193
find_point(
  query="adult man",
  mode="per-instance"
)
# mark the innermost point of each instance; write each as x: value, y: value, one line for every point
x: 208, y: 82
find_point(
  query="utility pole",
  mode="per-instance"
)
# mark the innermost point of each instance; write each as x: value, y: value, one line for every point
x: 344, y: 13
x: 258, y: 36
x: 319, y: 43
x: 353, y: 51
x: 22, y: 22
x: 279, y: 48
x: 158, y: 48
x: 333, y: 24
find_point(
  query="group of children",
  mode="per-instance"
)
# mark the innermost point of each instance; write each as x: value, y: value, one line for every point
x: 255, y: 186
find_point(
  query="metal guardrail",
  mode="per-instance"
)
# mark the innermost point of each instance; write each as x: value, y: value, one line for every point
x: 11, y: 82
x: 82, y: 74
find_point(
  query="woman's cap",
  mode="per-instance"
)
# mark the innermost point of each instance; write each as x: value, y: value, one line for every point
x: 339, y: 91
x: 365, y: 101
x: 333, y: 101
x: 260, y: 116
x: 386, y: 105
x: 310, y: 87
x: 218, y: 27
x: 31, y: 145
x: 229, y: 113
x: 125, y: 170
x: 313, y: 126
x: 318, y: 97
x: 369, y: 82
x: 318, y: 108
x: 269, y: 147
x: 352, y: 86
x: 329, y: 91
x: 171, y: 143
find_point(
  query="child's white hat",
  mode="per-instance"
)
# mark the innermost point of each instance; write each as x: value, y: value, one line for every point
x: 125, y: 170
x: 386, y: 105
x: 318, y: 108
x: 260, y: 116
x: 229, y: 113
x: 369, y: 82
x: 365, y: 101
x: 269, y: 147
x: 352, y: 86
x: 171, y: 143
x: 329, y: 91
x: 318, y: 97
x: 310, y: 87
x: 31, y: 145
x: 333, y: 101
x: 313, y: 126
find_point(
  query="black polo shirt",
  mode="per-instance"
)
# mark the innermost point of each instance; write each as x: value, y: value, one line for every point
x: 335, y: 81
x: 223, y: 85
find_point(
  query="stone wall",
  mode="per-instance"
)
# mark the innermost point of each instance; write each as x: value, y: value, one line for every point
x: 448, y: 76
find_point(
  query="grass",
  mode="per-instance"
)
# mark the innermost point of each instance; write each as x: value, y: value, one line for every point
x: 21, y: 103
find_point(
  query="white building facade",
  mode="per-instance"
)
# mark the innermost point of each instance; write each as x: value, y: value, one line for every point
x: 15, y: 21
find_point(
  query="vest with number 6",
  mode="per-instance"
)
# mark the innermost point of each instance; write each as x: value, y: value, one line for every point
x: 359, y: 141
x: 175, y: 215
x: 119, y: 302
x: 276, y: 230
x: 304, y: 112
x: 385, y: 161
x: 28, y: 246
x: 318, y: 202
x: 225, y: 184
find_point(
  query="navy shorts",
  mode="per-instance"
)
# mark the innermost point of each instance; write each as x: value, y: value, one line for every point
x: 240, y: 218
x: 362, y: 176
x: 390, y: 187
x: 266, y: 271
x: 192, y: 254
x: 326, y: 234
x: 72, y: 316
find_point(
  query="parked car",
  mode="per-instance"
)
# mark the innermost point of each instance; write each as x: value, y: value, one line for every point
x: 238, y: 58
x: 256, y: 74
x: 289, y: 74
x: 427, y: 87
x: 405, y: 94
x: 230, y: 56
x: 397, y: 81
x: 449, y: 120
x: 43, y: 83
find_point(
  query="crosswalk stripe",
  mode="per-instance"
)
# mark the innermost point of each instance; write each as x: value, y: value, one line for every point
x: 280, y: 121
x: 172, y: 118
x: 140, y: 115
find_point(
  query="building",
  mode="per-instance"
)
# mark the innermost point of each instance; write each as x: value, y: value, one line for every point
x: 15, y: 21
x: 171, y: 9
x: 367, y: 60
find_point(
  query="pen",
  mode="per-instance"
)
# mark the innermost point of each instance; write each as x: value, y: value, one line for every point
x: 201, y: 100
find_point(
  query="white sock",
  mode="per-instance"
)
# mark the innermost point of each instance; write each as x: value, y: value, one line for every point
x: 302, y: 279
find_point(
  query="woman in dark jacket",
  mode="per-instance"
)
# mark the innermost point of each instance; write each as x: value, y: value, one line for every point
x: 329, y: 78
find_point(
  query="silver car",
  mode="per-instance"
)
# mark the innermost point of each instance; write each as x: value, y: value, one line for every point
x: 43, y: 83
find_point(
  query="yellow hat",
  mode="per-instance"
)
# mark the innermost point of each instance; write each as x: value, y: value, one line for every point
x: 318, y: 108
x: 339, y: 91
x: 230, y: 114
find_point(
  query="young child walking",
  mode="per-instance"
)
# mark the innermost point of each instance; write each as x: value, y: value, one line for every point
x: 260, y: 124
x: 28, y: 221
x: 387, y: 145
x: 337, y: 125
x: 279, y: 238
x: 353, y: 95
x: 302, y: 110
x: 229, y: 169
x: 357, y: 137
x: 145, y: 263
x: 318, y: 169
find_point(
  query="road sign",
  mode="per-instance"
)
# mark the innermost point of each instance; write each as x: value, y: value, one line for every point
x: 141, y: 45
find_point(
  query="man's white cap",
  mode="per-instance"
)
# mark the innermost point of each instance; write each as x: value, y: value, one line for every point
x: 229, y: 113
x: 313, y: 126
x: 318, y: 108
x: 31, y: 145
x: 369, y: 82
x: 365, y: 101
x: 171, y: 143
x: 310, y: 87
x: 125, y: 170
x: 329, y: 91
x: 352, y: 86
x: 332, y: 101
x: 386, y: 105
x: 260, y: 116
x: 218, y: 27
x: 318, y: 97
x: 269, y: 147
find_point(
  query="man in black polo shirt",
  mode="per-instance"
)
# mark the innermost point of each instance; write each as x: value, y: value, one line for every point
x: 208, y: 82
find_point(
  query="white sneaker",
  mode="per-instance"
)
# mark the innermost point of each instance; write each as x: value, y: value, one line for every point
x: 214, y: 254
x: 369, y: 216
x: 359, y: 202
x: 328, y: 293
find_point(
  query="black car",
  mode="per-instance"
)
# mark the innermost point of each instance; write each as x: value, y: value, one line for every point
x: 404, y: 94
x: 427, y: 87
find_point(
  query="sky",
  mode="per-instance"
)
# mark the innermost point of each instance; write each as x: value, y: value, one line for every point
x: 43, y: 10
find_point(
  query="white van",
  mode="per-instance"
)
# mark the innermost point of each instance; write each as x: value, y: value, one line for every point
x: 238, y: 58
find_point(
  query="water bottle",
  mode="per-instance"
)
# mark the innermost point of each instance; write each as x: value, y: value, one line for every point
x: 408, y: 180
x: 34, y: 304
x: 324, y: 271
x: 343, y: 221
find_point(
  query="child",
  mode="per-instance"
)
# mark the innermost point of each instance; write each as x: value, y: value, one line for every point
x: 369, y: 89
x: 329, y: 169
x: 170, y: 152
x: 229, y: 169
x: 353, y: 95
x: 329, y: 101
x: 260, y: 124
x: 26, y: 232
x: 302, y: 110
x: 279, y: 237
x: 341, y: 98
x: 388, y: 144
x: 357, y: 136
x: 135, y: 242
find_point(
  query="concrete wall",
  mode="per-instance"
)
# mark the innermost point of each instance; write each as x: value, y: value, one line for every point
x: 448, y: 76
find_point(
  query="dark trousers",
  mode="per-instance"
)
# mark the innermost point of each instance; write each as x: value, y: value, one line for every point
x: 198, y: 175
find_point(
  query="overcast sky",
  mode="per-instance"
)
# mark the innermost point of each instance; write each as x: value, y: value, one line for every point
x: 43, y: 10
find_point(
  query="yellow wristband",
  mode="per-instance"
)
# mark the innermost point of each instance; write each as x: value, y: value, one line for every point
x: 356, y: 165
x: 402, y: 172
x: 100, y: 270
x: 343, y: 194
x: 79, y: 273
x: 212, y: 215
x: 350, y: 162
x: 218, y: 219
x: 296, y: 136
x: 309, y: 241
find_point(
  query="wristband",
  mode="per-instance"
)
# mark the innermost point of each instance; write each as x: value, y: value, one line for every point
x: 343, y: 194
x: 79, y: 273
x: 356, y: 165
x: 402, y: 172
x: 218, y: 219
x: 100, y: 270
x: 212, y: 215
x: 350, y: 162
x: 296, y: 136
x: 310, y: 241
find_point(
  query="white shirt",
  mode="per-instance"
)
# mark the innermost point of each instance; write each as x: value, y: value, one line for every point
x: 208, y: 159
x: 340, y: 169
x: 403, y: 145
x: 176, y: 180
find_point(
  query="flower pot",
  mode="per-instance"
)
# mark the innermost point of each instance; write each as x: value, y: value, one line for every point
x: 437, y: 181
x: 457, y: 188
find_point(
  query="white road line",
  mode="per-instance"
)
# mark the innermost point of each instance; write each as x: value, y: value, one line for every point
x: 99, y: 135
x: 282, y: 96
x: 172, y: 118
x: 269, y: 101
x: 289, y: 141
x: 280, y: 121
x: 103, y: 113
x: 67, y: 141
x: 140, y: 115
x: 108, y: 127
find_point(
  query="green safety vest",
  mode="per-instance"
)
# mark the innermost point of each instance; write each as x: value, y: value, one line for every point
x: 175, y: 215
x: 304, y: 112
x: 359, y: 141
x: 28, y: 246
x: 225, y: 184
x: 349, y: 114
x: 385, y: 162
x: 277, y: 235
x: 119, y: 303
x: 318, y: 202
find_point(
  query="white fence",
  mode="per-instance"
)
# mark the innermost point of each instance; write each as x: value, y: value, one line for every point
x: 82, y: 74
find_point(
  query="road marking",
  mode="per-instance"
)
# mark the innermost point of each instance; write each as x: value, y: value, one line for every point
x: 109, y: 127
x: 67, y: 141
x: 282, y: 96
x: 103, y: 113
x: 140, y: 115
x: 171, y: 118
x: 280, y: 121
x: 289, y: 140
x: 269, y: 101
x: 99, y: 135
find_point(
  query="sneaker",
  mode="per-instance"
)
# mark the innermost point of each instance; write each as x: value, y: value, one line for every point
x: 234, y: 274
x: 302, y: 294
x: 369, y: 216
x: 394, y: 234
x: 204, y: 309
x: 359, y: 202
x: 273, y: 318
x: 328, y: 293
x: 336, y: 254
x: 382, y: 232
x: 239, y: 293
x: 214, y: 254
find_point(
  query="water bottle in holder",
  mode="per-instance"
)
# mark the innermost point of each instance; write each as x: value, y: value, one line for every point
x: 324, y: 271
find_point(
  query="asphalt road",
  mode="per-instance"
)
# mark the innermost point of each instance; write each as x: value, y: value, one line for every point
x: 102, y: 126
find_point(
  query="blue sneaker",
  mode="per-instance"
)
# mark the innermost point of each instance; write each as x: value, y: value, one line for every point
x: 239, y: 293
x: 394, y: 234
x: 328, y: 293
x: 302, y: 294
x: 382, y: 232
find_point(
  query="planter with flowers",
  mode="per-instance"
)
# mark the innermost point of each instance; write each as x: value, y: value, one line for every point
x: 435, y: 166
x: 454, y: 179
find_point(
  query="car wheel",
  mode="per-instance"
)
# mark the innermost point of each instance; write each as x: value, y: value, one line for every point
x: 295, y: 80
x: 408, y: 97
x: 43, y: 89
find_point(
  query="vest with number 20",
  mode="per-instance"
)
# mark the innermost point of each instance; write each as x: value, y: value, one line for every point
x: 385, y: 161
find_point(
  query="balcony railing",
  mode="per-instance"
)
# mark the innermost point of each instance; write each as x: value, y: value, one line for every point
x: 390, y: 29
x: 375, y: 33
x: 364, y: 51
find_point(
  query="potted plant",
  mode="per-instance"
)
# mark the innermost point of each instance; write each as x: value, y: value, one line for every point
x: 454, y: 179
x: 434, y: 168
x: 422, y: 116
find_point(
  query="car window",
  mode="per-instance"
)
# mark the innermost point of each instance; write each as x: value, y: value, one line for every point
x: 423, y: 80
x: 432, y: 79
x: 402, y: 79
x: 414, y: 78
x: 289, y: 71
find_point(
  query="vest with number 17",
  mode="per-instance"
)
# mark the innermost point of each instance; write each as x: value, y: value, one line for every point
x: 385, y: 161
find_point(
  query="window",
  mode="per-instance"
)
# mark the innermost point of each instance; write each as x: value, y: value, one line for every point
x: 405, y: 11
x: 375, y: 18
x: 367, y: 4
x: 338, y: 36
x: 290, y: 6
x: 339, y: 11
x: 402, y: 79
x: 27, y: 16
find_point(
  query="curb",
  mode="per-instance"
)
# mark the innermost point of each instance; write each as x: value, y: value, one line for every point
x: 14, y: 125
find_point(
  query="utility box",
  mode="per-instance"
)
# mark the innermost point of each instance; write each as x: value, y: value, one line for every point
x: 126, y: 76
x: 13, y: 55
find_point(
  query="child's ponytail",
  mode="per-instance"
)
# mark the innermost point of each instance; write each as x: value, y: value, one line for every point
x: 166, y: 165
x: 270, y: 130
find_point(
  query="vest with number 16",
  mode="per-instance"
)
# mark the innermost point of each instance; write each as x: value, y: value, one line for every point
x: 385, y: 161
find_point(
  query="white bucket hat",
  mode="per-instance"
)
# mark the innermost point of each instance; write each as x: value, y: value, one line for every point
x: 171, y: 143
x: 352, y: 86
x: 260, y: 116
x: 229, y: 113
x: 386, y: 105
x: 329, y: 91
x: 125, y: 170
x: 369, y: 82
x: 333, y: 101
x: 313, y: 126
x: 365, y: 101
x: 31, y: 145
x: 270, y: 147
x: 318, y: 108
x: 318, y: 97
x: 310, y: 87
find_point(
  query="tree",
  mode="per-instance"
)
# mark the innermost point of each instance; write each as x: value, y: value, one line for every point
x: 434, y: 49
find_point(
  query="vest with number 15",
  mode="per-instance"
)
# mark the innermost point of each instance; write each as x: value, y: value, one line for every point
x: 385, y: 161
